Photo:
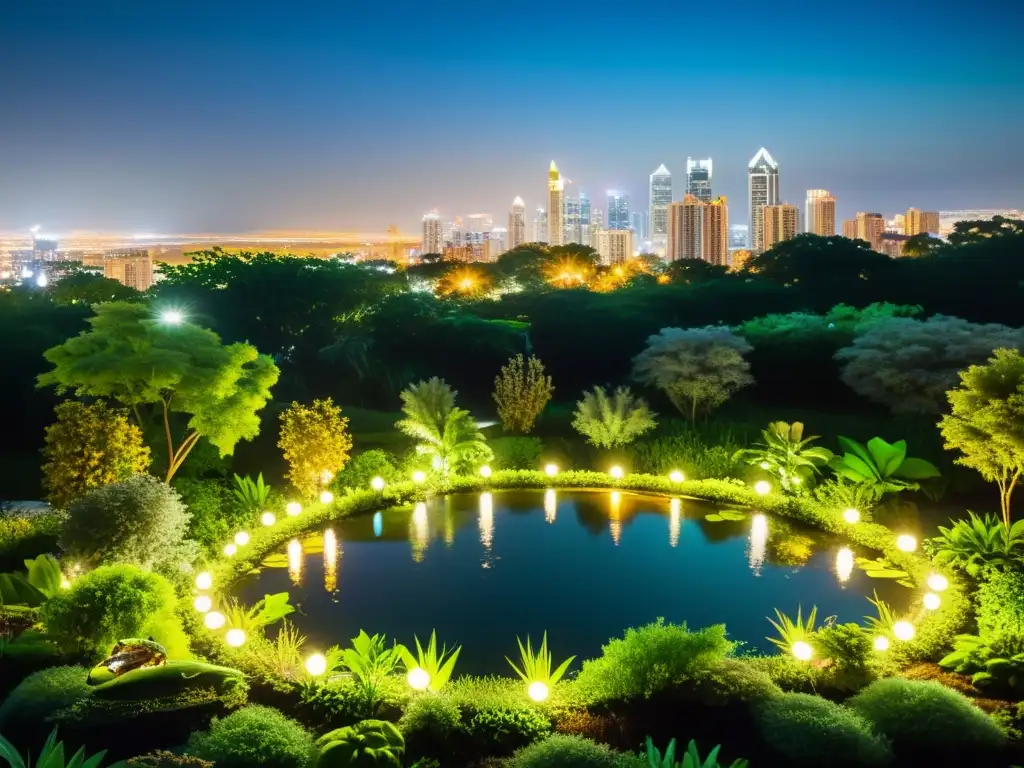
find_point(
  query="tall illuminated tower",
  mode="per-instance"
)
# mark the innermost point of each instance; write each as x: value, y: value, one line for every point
x: 618, y: 210
x: 660, y: 200
x: 585, y: 228
x: 517, y: 224
x: 433, y: 239
x: 763, y: 188
x: 556, y: 206
x: 698, y: 178
x: 820, y: 213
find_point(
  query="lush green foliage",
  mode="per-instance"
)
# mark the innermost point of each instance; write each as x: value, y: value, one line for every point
x: 364, y: 745
x: 315, y: 442
x: 787, y: 454
x: 977, y: 544
x: 213, y: 515
x: 261, y: 614
x: 697, y: 368
x: 371, y: 662
x: 651, y: 658
x: 88, y: 447
x: 880, y: 466
x: 41, y: 581
x: 42, y: 695
x: 517, y: 452
x: 986, y: 422
x: 849, y: 651
x: 501, y: 731
x: 430, y: 723
x: 732, y: 680
x: 536, y: 667
x: 253, y: 736
x: 131, y: 356
x: 521, y: 391
x: 691, y: 757
x: 612, y: 421
x: 928, y: 723
x: 809, y: 731
x: 438, y: 664
x: 689, y: 453
x: 161, y: 758
x: 563, y: 751
x: 52, y: 756
x: 444, y: 433
x: 793, y: 631
x: 909, y: 364
x: 994, y: 659
x: 365, y: 466
x: 139, y: 521
x: 1000, y: 599
x: 251, y: 495
x: 111, y: 603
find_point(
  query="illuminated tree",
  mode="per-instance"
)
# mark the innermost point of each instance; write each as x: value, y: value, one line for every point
x: 163, y: 367
x: 88, y: 447
x: 465, y: 281
x: 612, y: 421
x: 568, y: 271
x: 696, y: 367
x: 315, y: 442
x: 521, y: 391
x: 986, y: 422
x: 442, y: 432
x: 921, y: 245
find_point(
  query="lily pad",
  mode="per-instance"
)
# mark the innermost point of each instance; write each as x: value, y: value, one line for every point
x: 881, y: 568
x: 725, y: 516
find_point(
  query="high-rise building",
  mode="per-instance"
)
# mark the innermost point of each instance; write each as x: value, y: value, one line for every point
x: 850, y: 228
x: 892, y: 244
x: 639, y: 224
x: 763, y: 189
x: 496, y: 243
x: 132, y: 267
x: 618, y: 210
x: 714, y: 236
x: 739, y: 236
x: 556, y: 206
x: 572, y: 220
x: 921, y: 222
x: 870, y: 227
x: 540, y: 226
x: 585, y: 228
x: 698, y: 178
x: 613, y: 246
x: 596, y: 219
x: 699, y: 230
x: 517, y: 224
x: 660, y: 200
x: 779, y: 223
x: 433, y: 239
x: 820, y: 213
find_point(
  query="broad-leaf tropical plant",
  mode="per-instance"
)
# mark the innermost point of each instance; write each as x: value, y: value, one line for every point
x: 251, y: 495
x: 41, y: 581
x: 536, y: 667
x: 691, y: 758
x: 371, y: 661
x: 368, y: 744
x: 883, y: 467
x: 609, y: 421
x: 439, y: 665
x: 786, y: 453
x: 446, y: 434
x: 263, y: 613
x: 52, y: 756
x: 978, y: 543
x: 994, y: 659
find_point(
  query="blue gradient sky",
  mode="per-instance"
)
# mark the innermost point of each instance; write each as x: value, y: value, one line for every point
x: 189, y: 116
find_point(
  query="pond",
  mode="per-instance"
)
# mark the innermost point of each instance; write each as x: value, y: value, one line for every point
x: 583, y: 565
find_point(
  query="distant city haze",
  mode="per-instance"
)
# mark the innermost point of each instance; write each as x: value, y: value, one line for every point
x: 353, y: 117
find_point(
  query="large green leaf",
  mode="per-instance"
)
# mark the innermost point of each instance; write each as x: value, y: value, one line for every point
x: 917, y: 469
x: 867, y: 471
x: 15, y: 590
x: 858, y: 450
x: 273, y: 608
x: 44, y: 574
x: 888, y: 457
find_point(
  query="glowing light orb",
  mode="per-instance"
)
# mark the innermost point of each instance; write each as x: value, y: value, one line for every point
x: 932, y: 601
x: 537, y: 691
x: 437, y: 463
x: 903, y: 630
x: 204, y: 580
x: 326, y: 497
x: 551, y: 470
x: 267, y: 518
x: 235, y: 638
x: 230, y: 549
x: 316, y: 664
x: 616, y: 472
x: 203, y: 604
x: 881, y: 643
x: 797, y: 481
x: 241, y: 538
x: 419, y: 477
x: 293, y: 508
x: 326, y: 476
x: 851, y: 516
x: 485, y: 471
x: 65, y: 583
x: 937, y: 582
x: 676, y: 476
x: 214, y: 620
x: 172, y: 317
x: 762, y: 487
x: 418, y: 679
x: 377, y: 484
x: 802, y: 650
x: 906, y: 543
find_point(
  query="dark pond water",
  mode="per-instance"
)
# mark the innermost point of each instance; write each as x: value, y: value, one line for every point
x: 484, y: 568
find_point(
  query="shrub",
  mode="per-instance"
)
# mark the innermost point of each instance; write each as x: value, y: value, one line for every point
x: 429, y: 723
x: 253, y: 736
x: 786, y: 672
x: 687, y: 452
x: 521, y: 391
x: 314, y: 440
x: 978, y: 544
x: 344, y: 700
x: 445, y: 434
x: 562, y: 751
x: 88, y: 447
x: 164, y: 759
x: 734, y: 680
x: 112, y: 603
x: 517, y: 452
x: 30, y: 706
x: 213, y: 515
x: 502, y: 731
x: 363, y: 745
x: 850, y: 649
x: 1001, y: 603
x: 140, y: 521
x: 365, y: 466
x: 810, y: 731
x: 651, y: 658
x: 610, y: 421
x: 925, y: 719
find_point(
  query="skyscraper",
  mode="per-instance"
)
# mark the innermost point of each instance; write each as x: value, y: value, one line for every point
x: 639, y: 224
x: 921, y: 222
x: 763, y: 187
x: 698, y: 178
x: 850, y: 228
x: 870, y: 227
x: 618, y: 210
x: 585, y: 228
x: 714, y: 236
x: 556, y: 207
x: 820, y: 213
x: 517, y: 224
x: 739, y: 236
x: 699, y: 230
x: 572, y: 220
x: 130, y: 266
x: 496, y: 240
x: 540, y: 226
x: 660, y: 200
x: 433, y: 239
x: 779, y: 223
x: 613, y: 246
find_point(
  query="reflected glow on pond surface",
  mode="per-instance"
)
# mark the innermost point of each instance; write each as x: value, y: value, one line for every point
x: 483, y: 568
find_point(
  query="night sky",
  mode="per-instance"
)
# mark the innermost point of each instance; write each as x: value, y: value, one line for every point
x: 233, y: 116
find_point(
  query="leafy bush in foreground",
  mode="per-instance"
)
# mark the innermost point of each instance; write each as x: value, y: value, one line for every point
x: 561, y: 751
x: 364, y: 745
x: 517, y: 452
x: 1001, y: 602
x: 651, y: 658
x: 253, y: 736
x: 502, y: 731
x: 609, y: 421
x: 926, y: 719
x: 40, y: 696
x: 429, y: 724
x: 810, y: 731
x: 214, y: 516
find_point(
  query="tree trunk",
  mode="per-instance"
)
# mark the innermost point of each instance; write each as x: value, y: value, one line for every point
x: 1006, y: 487
x: 178, y: 457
